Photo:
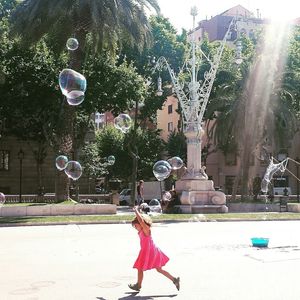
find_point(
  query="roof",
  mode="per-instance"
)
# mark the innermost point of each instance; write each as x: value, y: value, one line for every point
x: 237, y: 10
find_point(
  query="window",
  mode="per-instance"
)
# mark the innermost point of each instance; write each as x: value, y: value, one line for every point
x: 170, y: 126
x: 4, y: 160
x: 99, y: 120
x: 170, y: 109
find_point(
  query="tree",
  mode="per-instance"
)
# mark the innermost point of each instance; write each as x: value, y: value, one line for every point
x: 111, y: 141
x: 6, y: 6
x: 108, y: 22
x: 29, y: 101
x: 176, y: 145
x: 255, y: 106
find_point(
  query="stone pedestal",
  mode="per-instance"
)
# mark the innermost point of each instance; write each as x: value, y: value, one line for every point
x: 197, y: 193
x: 199, y: 196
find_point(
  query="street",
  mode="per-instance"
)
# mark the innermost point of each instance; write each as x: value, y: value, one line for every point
x: 215, y: 261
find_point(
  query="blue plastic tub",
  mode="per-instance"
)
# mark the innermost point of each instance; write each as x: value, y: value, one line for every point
x: 260, y: 242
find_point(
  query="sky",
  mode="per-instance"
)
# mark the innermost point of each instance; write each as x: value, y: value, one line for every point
x: 178, y: 11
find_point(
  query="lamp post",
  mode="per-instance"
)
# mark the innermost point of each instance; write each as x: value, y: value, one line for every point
x: 193, y: 95
x: 297, y: 174
x: 20, y: 157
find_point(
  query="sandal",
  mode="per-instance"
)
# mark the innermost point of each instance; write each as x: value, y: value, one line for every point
x: 134, y: 287
x: 176, y: 281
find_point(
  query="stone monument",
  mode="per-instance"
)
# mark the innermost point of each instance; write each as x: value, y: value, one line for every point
x: 197, y: 193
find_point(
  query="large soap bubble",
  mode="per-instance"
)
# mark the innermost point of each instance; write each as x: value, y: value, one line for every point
x: 72, y: 85
x: 61, y: 162
x: 123, y: 122
x: 2, y: 199
x: 271, y: 170
x: 111, y: 160
x: 76, y: 100
x: 175, y: 162
x: 72, y: 44
x: 73, y: 169
x: 162, y: 170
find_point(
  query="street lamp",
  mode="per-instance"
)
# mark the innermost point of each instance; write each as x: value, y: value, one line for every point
x: 193, y: 95
x: 20, y: 157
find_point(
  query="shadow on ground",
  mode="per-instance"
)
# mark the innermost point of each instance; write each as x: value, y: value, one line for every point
x: 148, y: 297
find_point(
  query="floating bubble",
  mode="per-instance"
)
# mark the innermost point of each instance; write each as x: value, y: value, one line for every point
x: 72, y: 44
x: 76, y: 100
x: 271, y: 170
x: 264, y: 185
x: 175, y: 162
x: 167, y: 196
x: 2, y: 199
x: 111, y: 160
x: 61, y: 162
x: 73, y: 169
x: 72, y: 85
x: 162, y: 170
x: 123, y: 122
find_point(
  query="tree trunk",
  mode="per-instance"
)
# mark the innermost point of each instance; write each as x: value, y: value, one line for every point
x: 66, y: 129
x: 133, y: 150
x: 65, y: 147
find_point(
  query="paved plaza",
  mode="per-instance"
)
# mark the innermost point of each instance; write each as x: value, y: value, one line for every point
x: 215, y: 261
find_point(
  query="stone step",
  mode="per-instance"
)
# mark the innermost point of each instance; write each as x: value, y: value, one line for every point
x: 202, y: 209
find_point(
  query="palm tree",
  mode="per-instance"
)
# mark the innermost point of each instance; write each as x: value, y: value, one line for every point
x: 107, y: 23
x: 247, y: 117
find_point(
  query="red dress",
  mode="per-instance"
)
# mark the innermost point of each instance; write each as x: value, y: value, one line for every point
x: 150, y: 256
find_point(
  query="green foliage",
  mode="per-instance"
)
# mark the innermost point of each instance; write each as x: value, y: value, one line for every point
x: 30, y: 99
x: 111, y: 141
x: 176, y: 145
x: 109, y: 22
x: 150, y: 148
x: 6, y: 6
x: 111, y: 87
x: 166, y: 43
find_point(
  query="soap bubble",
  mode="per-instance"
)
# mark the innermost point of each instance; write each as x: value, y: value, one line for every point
x: 272, y: 169
x: 162, y: 170
x: 61, y: 162
x: 72, y: 85
x: 175, y: 162
x: 72, y: 44
x: 2, y: 199
x: 264, y: 185
x: 123, y: 122
x: 76, y: 100
x: 167, y: 196
x: 111, y: 160
x: 73, y: 169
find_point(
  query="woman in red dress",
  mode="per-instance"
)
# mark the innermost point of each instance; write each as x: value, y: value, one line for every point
x: 150, y: 256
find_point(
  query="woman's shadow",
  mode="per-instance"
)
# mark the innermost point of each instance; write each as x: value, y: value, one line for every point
x: 135, y: 296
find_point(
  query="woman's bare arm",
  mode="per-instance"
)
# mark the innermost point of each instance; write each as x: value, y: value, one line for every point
x: 145, y: 227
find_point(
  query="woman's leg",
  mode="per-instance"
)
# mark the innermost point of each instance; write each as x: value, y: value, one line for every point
x: 175, y: 280
x: 166, y: 273
x: 140, y: 278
